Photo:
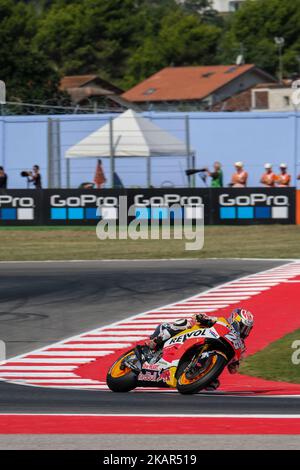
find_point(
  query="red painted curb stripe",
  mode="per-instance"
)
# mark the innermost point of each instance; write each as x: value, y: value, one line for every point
x: 58, y: 424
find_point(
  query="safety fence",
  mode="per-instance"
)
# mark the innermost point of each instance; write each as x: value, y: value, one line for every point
x: 232, y: 206
x: 255, y: 138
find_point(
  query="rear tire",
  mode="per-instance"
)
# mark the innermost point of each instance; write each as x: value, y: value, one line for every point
x: 119, y: 380
x: 185, y: 387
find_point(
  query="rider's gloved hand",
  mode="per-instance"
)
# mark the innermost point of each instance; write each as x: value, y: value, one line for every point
x: 233, y: 367
x: 204, y: 319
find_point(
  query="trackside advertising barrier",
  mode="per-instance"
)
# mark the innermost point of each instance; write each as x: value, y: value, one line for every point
x: 238, y: 206
x: 225, y: 206
x: 21, y: 207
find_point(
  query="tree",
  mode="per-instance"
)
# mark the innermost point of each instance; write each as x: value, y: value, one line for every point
x: 26, y: 70
x: 183, y: 39
x: 197, y: 6
x: 91, y: 36
x: 255, y: 25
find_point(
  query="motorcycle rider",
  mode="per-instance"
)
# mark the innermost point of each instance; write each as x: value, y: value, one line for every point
x: 241, y: 320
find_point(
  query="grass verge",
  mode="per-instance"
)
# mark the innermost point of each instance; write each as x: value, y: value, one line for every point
x: 275, y: 361
x: 65, y: 243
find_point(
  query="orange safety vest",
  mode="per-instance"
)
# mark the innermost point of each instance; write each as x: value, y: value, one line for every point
x: 268, y: 179
x: 283, y: 180
x: 239, y: 180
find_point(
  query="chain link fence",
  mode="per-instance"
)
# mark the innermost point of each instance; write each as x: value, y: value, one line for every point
x: 254, y: 138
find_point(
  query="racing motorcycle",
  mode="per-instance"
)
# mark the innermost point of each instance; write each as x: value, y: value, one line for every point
x: 189, y: 361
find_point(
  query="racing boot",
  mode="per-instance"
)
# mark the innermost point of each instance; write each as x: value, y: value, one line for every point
x: 213, y: 385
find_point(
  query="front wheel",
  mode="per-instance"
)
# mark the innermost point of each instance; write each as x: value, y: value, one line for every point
x: 194, y: 377
x: 121, y: 378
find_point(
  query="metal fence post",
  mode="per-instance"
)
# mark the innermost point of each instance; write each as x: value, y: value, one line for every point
x: 3, y: 146
x: 190, y: 160
x: 68, y: 173
x: 54, y: 154
x: 57, y: 161
x: 50, y: 152
x: 149, y: 171
x: 112, y: 151
x: 296, y: 134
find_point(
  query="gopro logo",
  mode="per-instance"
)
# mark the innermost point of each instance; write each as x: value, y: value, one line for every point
x: 167, y: 199
x: 16, y: 208
x: 253, y: 199
x: 257, y: 206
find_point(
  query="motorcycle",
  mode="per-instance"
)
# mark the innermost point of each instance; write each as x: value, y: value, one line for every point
x: 189, y: 361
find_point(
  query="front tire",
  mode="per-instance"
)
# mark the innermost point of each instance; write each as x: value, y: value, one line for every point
x: 193, y: 384
x: 119, y: 378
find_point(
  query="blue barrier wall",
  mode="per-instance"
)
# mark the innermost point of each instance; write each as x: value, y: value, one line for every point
x: 255, y: 138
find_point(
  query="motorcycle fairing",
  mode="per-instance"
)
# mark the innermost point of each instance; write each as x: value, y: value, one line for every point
x: 164, y: 370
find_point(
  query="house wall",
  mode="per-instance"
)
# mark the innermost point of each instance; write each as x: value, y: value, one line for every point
x: 244, y: 82
x: 254, y: 137
x: 225, y: 6
x: 279, y: 99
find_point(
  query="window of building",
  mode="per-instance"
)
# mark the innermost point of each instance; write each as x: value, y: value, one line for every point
x: 150, y: 91
x: 261, y: 99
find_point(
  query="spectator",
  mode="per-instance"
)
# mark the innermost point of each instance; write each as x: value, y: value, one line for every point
x: 240, y: 177
x: 3, y: 178
x: 268, y: 178
x: 216, y: 175
x: 283, y: 180
x: 35, y: 177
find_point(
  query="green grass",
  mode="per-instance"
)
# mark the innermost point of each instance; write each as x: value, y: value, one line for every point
x: 275, y: 361
x: 54, y: 243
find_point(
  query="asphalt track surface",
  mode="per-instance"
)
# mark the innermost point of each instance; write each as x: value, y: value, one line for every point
x: 42, y: 303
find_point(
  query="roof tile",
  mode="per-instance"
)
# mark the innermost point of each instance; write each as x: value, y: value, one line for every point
x: 185, y: 83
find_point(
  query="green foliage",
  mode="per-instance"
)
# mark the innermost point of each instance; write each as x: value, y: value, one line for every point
x: 126, y: 41
x: 255, y: 25
x: 25, y: 69
x: 181, y: 40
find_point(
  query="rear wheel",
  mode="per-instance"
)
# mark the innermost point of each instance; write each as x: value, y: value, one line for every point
x: 195, y: 375
x: 121, y: 378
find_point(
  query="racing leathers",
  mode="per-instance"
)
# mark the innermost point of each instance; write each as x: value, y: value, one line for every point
x: 165, y: 331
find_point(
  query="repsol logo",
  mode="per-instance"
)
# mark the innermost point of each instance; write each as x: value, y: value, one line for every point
x: 6, y: 200
x: 253, y: 199
x: 183, y: 338
x: 167, y: 200
x: 83, y: 200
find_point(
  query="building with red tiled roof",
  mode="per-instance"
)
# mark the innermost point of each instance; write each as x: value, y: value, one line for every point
x: 91, y: 89
x: 196, y: 87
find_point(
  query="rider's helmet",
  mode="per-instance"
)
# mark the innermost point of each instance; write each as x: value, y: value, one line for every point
x: 242, y: 321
